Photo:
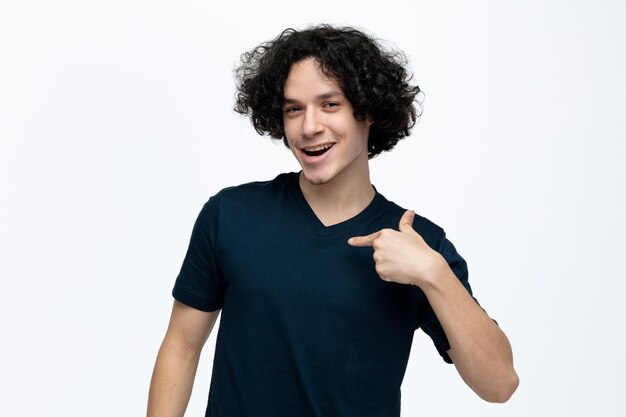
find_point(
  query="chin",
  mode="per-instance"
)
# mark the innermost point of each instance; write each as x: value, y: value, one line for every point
x: 320, y: 182
x: 316, y: 180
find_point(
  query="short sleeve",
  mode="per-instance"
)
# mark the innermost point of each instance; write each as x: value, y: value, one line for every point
x: 199, y: 283
x: 428, y: 320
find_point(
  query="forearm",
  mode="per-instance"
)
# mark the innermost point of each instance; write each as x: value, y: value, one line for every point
x: 480, y: 350
x: 172, y: 381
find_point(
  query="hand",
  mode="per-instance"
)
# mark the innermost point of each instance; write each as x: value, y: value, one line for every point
x: 401, y: 256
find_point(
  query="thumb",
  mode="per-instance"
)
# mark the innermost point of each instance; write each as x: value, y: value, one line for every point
x: 406, y: 222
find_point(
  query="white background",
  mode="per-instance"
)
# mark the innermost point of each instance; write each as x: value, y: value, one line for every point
x: 116, y: 125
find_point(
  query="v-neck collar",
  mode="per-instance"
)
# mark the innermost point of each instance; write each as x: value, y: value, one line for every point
x: 297, y: 195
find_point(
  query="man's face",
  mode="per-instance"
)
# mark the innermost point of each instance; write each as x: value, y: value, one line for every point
x: 320, y: 127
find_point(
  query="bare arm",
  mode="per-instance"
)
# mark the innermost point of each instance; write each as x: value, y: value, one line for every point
x: 177, y: 361
x: 479, y: 349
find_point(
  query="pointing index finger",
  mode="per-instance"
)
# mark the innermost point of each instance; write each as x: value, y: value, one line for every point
x: 363, y: 240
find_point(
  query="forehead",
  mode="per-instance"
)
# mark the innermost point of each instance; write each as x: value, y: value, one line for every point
x: 306, y: 78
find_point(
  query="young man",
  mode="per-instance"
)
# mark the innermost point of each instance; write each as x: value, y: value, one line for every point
x: 321, y: 280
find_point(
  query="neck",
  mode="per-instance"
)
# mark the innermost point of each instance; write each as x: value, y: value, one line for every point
x: 339, y: 199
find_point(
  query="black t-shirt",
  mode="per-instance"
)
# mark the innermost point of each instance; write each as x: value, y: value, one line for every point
x: 307, y: 327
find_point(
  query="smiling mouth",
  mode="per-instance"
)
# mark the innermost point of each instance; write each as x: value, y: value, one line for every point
x: 317, y: 152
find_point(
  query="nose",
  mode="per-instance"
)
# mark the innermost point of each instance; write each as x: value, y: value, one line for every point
x: 311, y: 124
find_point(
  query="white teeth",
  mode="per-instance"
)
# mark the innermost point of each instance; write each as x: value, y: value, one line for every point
x: 318, y: 148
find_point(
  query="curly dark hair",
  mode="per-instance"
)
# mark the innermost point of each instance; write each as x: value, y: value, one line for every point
x: 373, y: 79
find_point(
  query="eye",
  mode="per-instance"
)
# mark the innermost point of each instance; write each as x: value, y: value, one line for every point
x: 331, y: 105
x: 292, y: 109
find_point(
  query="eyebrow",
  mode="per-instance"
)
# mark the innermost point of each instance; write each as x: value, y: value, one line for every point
x: 324, y: 96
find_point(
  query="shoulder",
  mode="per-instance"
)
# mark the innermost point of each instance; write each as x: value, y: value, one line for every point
x: 430, y: 231
x: 254, y: 192
x: 248, y: 201
x: 245, y: 209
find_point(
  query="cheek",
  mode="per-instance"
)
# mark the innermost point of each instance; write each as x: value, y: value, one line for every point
x: 360, y: 138
x: 290, y: 143
x: 365, y: 133
x: 289, y: 129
